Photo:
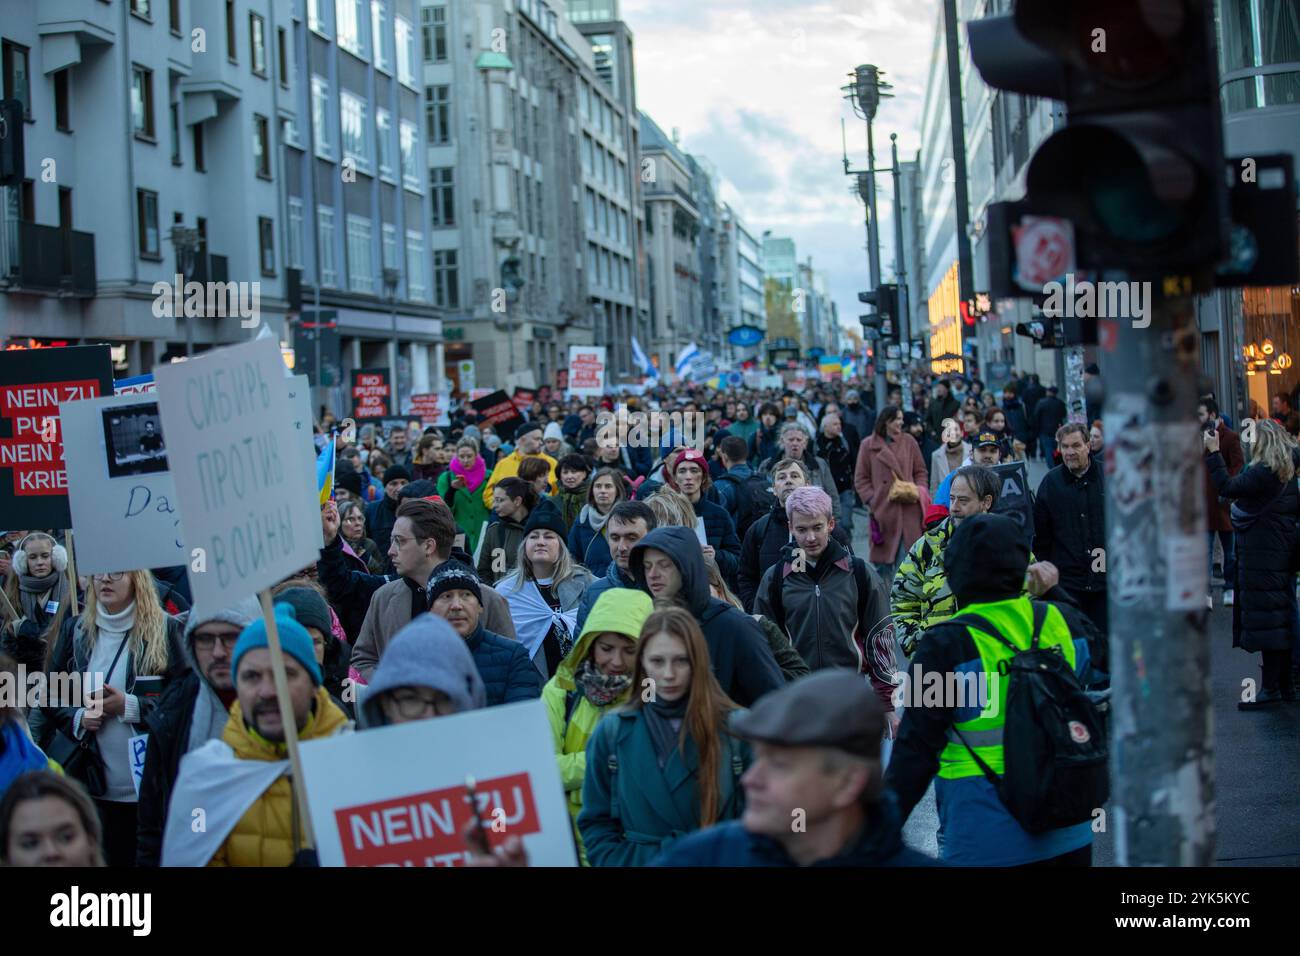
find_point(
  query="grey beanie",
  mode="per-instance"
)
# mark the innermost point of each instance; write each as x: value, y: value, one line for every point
x: 425, y: 653
x: 308, y: 607
x: 240, y: 615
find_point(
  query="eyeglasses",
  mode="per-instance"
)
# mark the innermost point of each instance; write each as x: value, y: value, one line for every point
x: 411, y: 704
x: 111, y: 576
x: 206, y: 642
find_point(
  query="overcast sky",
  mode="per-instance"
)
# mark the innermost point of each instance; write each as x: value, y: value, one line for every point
x: 753, y: 85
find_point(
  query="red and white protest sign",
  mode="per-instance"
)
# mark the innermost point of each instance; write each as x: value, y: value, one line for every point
x: 432, y: 407
x: 375, y: 806
x: 371, y: 394
x: 587, y: 370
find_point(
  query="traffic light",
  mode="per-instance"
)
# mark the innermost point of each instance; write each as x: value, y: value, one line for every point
x: 885, y: 319
x: 11, y: 142
x: 1134, y: 182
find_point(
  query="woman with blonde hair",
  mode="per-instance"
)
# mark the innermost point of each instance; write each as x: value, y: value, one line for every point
x: 672, y: 508
x: 1264, y: 510
x: 39, y: 592
x: 665, y: 765
x: 121, y: 639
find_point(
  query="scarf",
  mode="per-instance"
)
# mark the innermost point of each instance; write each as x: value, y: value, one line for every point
x: 534, y: 618
x: 599, y: 688
x: 119, y: 623
x: 473, y: 475
x: 32, y: 589
x: 659, y: 719
x: 591, y: 516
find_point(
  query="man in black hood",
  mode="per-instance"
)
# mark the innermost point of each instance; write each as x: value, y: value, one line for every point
x: 668, y: 564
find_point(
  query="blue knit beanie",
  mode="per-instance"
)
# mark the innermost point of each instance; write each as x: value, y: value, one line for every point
x: 294, y: 641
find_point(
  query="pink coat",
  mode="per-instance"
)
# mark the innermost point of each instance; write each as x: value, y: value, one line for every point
x: 879, y: 462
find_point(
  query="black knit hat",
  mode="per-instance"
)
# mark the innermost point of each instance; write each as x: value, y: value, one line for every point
x: 396, y: 471
x: 452, y: 576
x: 348, y: 479
x: 546, y: 515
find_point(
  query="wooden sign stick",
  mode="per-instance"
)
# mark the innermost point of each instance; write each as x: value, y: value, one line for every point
x: 287, y: 719
x: 72, y: 573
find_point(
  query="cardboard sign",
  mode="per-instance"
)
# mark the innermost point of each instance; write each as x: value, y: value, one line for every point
x: 1014, y: 497
x: 121, y: 492
x: 374, y: 805
x: 587, y: 370
x: 498, y: 411
x: 432, y: 407
x: 33, y: 383
x: 247, y: 501
x: 372, y: 394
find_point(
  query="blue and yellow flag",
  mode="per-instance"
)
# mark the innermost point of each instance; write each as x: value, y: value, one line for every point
x: 325, y: 471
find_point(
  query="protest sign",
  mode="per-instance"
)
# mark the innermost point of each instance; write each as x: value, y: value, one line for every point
x: 137, y: 384
x: 304, y: 434
x: 372, y: 394
x: 33, y: 383
x: 523, y: 398
x: 1014, y: 499
x: 498, y: 411
x: 432, y: 407
x: 376, y: 806
x: 587, y: 370
x: 248, y: 507
x: 121, y: 492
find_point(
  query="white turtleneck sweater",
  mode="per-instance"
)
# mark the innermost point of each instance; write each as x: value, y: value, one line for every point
x: 115, y: 732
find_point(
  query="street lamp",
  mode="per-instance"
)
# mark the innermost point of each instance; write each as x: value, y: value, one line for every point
x: 186, y: 243
x: 392, y: 277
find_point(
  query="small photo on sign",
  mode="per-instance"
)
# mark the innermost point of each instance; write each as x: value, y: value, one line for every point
x: 133, y: 440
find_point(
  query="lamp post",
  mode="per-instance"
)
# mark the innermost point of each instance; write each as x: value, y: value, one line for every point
x: 392, y: 278
x: 186, y: 243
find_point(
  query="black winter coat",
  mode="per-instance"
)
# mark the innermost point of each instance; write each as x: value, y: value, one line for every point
x: 1048, y: 415
x: 1264, y: 513
x: 504, y: 665
x: 169, y: 736
x: 1070, y: 524
x: 762, y: 548
x: 348, y: 588
x: 842, y: 456
x: 381, y: 515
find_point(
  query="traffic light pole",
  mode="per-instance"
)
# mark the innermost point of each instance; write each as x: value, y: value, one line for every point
x: 873, y: 256
x: 1156, y: 564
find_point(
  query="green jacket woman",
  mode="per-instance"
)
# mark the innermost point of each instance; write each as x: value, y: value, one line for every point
x: 593, y: 680
x: 461, y: 486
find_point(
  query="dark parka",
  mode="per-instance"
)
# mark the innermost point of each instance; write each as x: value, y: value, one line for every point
x: 738, y: 649
x: 507, y: 672
x: 762, y: 549
x: 720, y: 531
x: 381, y: 515
x: 169, y: 738
x: 1264, y: 513
x: 348, y: 584
x: 1070, y: 524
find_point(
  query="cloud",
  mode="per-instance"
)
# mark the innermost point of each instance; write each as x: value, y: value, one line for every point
x: 754, y: 85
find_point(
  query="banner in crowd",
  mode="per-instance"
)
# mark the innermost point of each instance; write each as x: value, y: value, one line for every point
x: 373, y: 805
x: 587, y: 370
x: 247, y: 497
x: 372, y: 394
x: 1014, y: 499
x: 33, y: 384
x: 432, y: 407
x: 135, y: 385
x: 523, y: 398
x: 498, y: 411
x: 121, y: 493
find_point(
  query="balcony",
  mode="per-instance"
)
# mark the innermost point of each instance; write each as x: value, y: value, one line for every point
x: 44, y: 259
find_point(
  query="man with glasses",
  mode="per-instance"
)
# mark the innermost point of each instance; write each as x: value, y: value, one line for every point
x: 192, y: 711
x: 427, y: 672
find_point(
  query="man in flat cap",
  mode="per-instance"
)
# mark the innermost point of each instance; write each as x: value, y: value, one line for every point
x: 813, y: 794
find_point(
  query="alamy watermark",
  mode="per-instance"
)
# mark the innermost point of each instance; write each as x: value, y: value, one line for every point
x: 18, y: 688
x: 193, y: 299
x: 1084, y: 299
x: 950, y: 689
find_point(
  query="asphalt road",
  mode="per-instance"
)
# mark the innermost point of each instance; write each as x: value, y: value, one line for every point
x: 1256, y: 754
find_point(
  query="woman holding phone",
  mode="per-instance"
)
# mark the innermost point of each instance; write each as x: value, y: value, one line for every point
x: 124, y: 646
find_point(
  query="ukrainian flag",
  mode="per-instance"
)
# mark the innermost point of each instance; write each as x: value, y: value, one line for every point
x: 325, y: 471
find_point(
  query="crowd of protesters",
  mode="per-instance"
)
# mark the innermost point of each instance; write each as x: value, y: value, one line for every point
x: 469, y: 566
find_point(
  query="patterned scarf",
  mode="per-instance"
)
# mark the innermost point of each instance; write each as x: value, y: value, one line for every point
x: 599, y: 688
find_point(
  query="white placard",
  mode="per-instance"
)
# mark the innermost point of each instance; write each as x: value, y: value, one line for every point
x: 1187, y: 575
x: 249, y: 510
x: 587, y: 370
x: 372, y: 804
x: 123, y: 499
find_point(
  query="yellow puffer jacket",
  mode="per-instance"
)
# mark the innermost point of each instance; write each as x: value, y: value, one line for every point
x: 264, y: 835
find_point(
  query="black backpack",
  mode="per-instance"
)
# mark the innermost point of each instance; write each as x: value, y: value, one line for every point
x: 1053, y: 736
x: 754, y: 498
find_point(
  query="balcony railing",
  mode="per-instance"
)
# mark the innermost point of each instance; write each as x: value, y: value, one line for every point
x: 47, y: 259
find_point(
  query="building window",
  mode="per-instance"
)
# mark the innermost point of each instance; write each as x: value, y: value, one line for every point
x: 141, y: 9
x: 415, y: 287
x: 266, y: 245
x: 142, y: 102
x: 329, y: 275
x: 320, y: 96
x: 62, y: 114
x: 316, y: 16
x: 349, y: 20
x: 409, y: 137
x: 232, y: 42
x: 361, y: 266
x: 441, y: 181
x: 437, y: 114
x: 17, y: 80
x: 433, y: 28
x: 405, y: 52
x: 282, y: 46
x: 200, y: 163
x: 175, y: 117
x: 261, y: 146
x: 446, y: 279
x: 174, y: 16
x: 384, y: 127
x: 289, y: 132
x: 146, y: 218
x: 388, y: 242
x: 354, y: 130
x: 293, y: 237
x: 257, y: 43
x: 379, y: 34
